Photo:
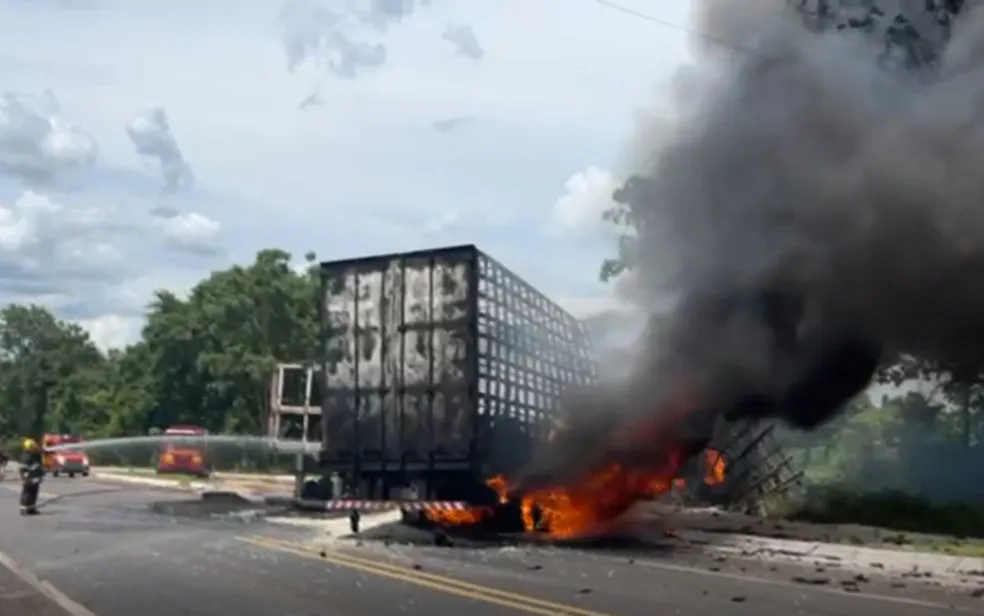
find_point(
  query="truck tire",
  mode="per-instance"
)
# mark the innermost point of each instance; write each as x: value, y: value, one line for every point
x: 315, y: 490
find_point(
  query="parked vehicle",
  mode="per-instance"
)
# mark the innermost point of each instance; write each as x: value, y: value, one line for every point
x: 184, y: 456
x: 64, y: 462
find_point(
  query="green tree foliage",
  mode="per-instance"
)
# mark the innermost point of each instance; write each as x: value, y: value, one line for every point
x: 205, y: 359
x: 910, y: 443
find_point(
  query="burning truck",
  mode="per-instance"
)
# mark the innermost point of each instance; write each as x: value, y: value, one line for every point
x: 448, y: 383
x: 441, y: 368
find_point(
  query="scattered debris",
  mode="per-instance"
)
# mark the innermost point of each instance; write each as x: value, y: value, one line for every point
x: 811, y: 581
x: 442, y: 540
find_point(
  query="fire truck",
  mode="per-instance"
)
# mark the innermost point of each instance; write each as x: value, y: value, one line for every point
x: 184, y: 456
x: 66, y: 462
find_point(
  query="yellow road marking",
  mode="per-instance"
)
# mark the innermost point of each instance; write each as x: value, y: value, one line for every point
x: 531, y: 605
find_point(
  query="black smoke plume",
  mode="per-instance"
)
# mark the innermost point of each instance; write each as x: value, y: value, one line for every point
x: 816, y: 211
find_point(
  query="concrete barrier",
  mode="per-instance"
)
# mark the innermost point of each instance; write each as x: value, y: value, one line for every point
x: 149, y: 472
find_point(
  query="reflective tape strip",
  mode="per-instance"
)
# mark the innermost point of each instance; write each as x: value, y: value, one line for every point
x: 434, y: 506
x: 368, y: 505
x: 362, y: 505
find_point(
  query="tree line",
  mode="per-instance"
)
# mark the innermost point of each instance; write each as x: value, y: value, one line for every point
x: 205, y: 359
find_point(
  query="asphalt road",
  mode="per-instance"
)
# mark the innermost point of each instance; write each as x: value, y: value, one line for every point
x: 101, y: 545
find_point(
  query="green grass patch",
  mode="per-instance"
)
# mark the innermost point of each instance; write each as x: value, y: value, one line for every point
x: 893, y: 510
x: 150, y: 473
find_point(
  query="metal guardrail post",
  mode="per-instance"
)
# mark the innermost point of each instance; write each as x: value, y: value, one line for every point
x: 298, y: 474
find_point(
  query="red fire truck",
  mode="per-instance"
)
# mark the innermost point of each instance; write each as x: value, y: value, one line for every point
x: 185, y: 457
x: 70, y: 463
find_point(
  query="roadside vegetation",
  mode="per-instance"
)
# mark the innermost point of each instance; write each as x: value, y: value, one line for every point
x: 205, y: 360
x: 908, y: 462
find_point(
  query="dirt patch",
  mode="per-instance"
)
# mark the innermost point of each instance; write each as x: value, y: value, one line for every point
x: 714, y: 521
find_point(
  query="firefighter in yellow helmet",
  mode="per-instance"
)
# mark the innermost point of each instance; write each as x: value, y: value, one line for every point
x: 31, y: 474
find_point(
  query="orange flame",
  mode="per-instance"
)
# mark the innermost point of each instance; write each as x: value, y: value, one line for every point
x: 590, y: 505
x: 471, y: 515
x: 593, y: 503
x: 715, y: 467
x: 461, y: 517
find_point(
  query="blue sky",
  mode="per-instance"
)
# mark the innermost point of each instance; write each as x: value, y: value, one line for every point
x: 545, y: 90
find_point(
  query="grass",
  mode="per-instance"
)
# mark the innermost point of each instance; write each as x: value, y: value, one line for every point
x: 178, y: 478
x: 136, y: 470
x: 908, y: 522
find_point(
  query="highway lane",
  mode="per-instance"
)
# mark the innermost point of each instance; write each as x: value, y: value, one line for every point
x: 101, y: 546
x: 559, y: 580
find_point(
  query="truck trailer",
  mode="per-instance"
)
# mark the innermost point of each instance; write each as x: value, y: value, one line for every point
x: 439, y: 369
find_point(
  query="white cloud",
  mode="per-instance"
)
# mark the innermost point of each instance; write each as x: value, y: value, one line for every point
x: 151, y: 135
x: 113, y: 331
x: 191, y: 231
x: 45, y: 246
x: 37, y: 141
x: 587, y: 196
x: 342, y: 37
x: 425, y: 149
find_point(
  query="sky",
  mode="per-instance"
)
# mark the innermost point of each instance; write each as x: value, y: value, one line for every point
x: 144, y: 144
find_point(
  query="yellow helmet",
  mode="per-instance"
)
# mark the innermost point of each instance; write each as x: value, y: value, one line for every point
x: 30, y: 444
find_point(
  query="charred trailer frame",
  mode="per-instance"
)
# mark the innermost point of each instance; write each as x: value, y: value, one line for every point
x: 439, y: 368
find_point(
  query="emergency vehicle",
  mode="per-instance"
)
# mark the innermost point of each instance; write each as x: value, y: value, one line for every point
x: 66, y: 462
x: 184, y: 457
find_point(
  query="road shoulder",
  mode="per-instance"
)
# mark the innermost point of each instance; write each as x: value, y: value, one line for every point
x: 23, y: 594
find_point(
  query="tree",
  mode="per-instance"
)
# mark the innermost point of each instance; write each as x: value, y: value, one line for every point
x: 205, y: 359
x: 48, y: 368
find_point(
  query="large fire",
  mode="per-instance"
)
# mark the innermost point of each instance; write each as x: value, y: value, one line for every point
x: 589, y: 506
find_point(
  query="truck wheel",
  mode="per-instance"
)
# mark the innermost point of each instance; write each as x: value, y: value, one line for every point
x: 85, y: 473
x: 55, y: 473
x: 71, y: 475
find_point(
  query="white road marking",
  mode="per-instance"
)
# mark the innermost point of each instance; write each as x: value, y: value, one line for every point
x: 45, y: 588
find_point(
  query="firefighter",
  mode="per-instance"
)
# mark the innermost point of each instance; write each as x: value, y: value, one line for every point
x: 31, y: 473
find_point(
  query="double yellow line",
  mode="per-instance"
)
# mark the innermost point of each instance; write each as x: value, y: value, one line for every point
x: 440, y: 583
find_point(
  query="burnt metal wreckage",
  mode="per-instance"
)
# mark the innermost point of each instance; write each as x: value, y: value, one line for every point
x: 440, y: 369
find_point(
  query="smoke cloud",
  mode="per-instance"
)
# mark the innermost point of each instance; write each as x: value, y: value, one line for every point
x: 151, y: 135
x: 815, y: 212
